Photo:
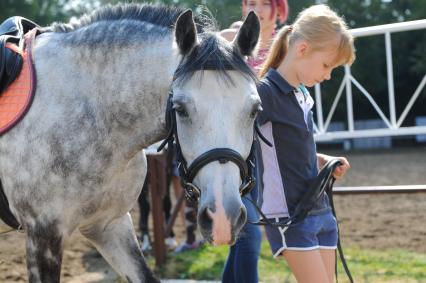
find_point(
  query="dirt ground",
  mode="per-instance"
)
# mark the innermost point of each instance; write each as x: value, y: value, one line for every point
x: 373, y: 221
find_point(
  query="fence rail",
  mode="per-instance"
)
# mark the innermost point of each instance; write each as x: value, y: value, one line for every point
x: 380, y: 189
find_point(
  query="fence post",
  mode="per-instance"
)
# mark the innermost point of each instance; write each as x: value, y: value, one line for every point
x: 157, y: 179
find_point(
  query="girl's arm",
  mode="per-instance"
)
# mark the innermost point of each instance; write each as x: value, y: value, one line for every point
x: 340, y: 171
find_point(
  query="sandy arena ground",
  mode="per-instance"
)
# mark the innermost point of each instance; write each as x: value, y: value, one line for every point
x: 374, y: 221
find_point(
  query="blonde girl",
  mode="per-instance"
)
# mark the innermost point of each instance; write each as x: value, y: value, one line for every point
x: 302, y: 54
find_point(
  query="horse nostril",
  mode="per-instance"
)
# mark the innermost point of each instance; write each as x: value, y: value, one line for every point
x: 205, y: 218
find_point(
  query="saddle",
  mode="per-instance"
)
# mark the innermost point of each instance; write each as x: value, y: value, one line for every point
x: 12, y: 31
x: 17, y: 77
x: 17, y: 81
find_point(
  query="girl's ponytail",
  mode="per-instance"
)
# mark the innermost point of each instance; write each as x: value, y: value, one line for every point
x: 277, y: 52
x: 321, y: 28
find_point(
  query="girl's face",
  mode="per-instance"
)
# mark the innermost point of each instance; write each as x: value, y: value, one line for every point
x: 314, y: 66
x: 263, y: 9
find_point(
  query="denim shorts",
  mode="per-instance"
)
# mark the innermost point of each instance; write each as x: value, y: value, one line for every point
x: 314, y: 232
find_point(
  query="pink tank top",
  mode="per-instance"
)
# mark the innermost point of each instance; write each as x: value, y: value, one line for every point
x: 257, y: 62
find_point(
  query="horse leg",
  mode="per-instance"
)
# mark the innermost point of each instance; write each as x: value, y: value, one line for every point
x: 117, y: 243
x: 44, y: 253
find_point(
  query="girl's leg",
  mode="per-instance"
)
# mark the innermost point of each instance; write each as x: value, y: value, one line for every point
x: 167, y: 207
x: 329, y: 260
x: 241, y: 265
x: 307, y: 266
x: 144, y: 207
x: 191, y: 222
x: 228, y: 271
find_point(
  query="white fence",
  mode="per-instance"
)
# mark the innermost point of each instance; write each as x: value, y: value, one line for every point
x: 392, y: 123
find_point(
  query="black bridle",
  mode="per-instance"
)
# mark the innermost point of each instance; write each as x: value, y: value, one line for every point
x: 223, y: 155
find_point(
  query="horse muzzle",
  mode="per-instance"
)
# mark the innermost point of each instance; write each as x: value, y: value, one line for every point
x: 220, y: 225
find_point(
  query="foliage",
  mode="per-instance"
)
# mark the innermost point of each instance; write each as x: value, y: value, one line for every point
x: 42, y: 12
x: 408, y: 50
x: 366, y: 265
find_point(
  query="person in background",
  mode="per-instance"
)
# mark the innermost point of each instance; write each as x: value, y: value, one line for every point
x: 271, y: 13
x: 144, y: 208
x: 302, y: 54
x: 241, y: 264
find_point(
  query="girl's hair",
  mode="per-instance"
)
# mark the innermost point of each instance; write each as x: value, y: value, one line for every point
x: 317, y: 25
x: 280, y: 5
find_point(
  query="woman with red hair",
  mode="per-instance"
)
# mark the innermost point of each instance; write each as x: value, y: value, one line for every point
x: 241, y: 265
x: 271, y: 13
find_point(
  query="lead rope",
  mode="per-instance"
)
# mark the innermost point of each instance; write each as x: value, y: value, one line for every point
x: 329, y: 192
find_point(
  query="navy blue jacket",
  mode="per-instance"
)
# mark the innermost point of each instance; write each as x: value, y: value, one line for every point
x: 291, y: 163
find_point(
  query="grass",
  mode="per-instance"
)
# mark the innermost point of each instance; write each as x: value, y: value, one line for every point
x: 207, y: 263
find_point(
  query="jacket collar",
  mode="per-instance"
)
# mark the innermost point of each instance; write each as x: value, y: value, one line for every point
x: 283, y: 86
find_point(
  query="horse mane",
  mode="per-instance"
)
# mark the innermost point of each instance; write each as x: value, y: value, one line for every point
x: 212, y: 52
x: 159, y: 15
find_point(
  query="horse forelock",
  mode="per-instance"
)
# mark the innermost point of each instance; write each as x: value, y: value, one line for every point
x: 213, y: 53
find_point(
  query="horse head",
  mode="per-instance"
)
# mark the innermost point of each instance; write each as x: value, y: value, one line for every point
x: 213, y: 107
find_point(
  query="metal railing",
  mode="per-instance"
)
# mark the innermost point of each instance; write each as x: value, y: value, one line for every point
x: 381, y: 189
x: 392, y: 123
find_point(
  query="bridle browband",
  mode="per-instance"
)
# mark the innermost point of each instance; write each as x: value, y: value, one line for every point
x: 223, y: 155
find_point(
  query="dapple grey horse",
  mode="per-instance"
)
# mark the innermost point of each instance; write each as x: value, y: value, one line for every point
x: 76, y: 160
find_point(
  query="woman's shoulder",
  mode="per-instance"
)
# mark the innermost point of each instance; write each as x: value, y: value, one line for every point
x: 229, y: 34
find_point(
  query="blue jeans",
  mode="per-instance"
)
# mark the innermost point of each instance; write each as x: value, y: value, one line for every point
x: 241, y: 265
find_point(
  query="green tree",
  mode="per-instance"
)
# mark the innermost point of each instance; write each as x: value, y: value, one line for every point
x: 42, y: 12
x: 408, y: 50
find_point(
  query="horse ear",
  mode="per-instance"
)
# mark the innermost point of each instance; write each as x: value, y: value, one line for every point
x: 248, y: 35
x: 185, y: 32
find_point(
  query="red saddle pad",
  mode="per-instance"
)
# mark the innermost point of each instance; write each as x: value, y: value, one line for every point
x: 17, y: 98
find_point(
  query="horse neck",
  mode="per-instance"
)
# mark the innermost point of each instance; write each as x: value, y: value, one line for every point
x: 128, y: 86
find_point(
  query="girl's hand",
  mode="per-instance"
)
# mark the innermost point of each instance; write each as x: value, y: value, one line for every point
x: 340, y: 171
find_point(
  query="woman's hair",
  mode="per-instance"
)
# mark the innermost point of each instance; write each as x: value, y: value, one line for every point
x: 280, y: 5
x: 317, y: 25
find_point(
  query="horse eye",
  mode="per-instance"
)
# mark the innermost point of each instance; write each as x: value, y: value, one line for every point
x: 181, y: 111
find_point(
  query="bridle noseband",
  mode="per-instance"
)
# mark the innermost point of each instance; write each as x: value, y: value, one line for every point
x: 223, y: 155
